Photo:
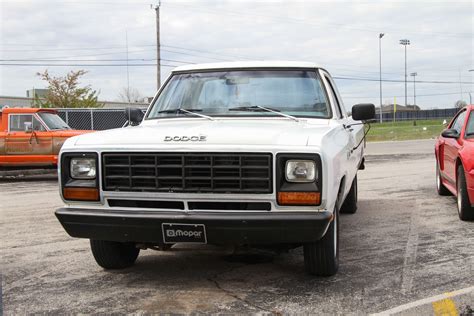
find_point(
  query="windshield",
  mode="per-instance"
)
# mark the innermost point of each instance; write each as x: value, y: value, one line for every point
x: 53, y: 121
x: 239, y: 93
x: 470, y: 125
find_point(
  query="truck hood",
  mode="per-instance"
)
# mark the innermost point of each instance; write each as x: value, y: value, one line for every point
x: 195, y: 132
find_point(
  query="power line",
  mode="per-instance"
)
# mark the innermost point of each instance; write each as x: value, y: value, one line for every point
x: 183, y: 53
x: 94, y: 55
x: 82, y: 65
x: 91, y: 60
x: 398, y: 96
x: 154, y: 64
x: 94, y: 60
x: 395, y: 80
x: 311, y: 23
x: 338, y: 66
x: 210, y: 52
x: 344, y: 77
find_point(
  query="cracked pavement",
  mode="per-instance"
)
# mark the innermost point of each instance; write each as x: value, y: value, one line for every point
x: 404, y: 243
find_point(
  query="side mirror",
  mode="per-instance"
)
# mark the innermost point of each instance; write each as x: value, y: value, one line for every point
x: 28, y: 127
x: 450, y: 133
x: 134, y: 116
x: 363, y: 112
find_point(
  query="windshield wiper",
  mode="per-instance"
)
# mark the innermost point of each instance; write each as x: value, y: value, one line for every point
x: 262, y: 108
x: 190, y: 111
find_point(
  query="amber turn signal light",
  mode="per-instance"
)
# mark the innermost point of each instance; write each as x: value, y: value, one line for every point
x: 299, y: 198
x: 81, y: 194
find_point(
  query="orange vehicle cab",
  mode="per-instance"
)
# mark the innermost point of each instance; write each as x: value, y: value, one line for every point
x: 31, y: 137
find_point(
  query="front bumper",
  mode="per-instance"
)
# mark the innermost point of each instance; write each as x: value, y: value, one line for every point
x: 221, y: 227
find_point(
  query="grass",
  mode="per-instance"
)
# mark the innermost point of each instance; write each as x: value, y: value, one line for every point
x: 405, y: 130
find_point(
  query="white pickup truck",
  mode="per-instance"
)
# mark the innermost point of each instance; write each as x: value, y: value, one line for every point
x: 242, y: 153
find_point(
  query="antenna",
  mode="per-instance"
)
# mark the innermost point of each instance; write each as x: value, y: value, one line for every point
x: 128, y: 75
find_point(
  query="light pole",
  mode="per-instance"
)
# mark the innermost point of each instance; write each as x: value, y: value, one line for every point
x: 405, y: 42
x: 380, y: 70
x: 414, y: 74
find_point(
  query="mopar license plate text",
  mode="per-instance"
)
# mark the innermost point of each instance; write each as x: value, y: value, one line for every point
x: 184, y: 233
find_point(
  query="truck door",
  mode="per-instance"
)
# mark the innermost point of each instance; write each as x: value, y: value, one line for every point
x: 342, y: 116
x: 28, y: 140
x: 351, y: 157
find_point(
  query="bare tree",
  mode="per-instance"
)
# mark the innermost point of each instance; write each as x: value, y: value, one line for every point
x: 130, y: 95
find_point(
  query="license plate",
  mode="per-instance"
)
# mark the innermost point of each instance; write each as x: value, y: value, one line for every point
x: 184, y: 233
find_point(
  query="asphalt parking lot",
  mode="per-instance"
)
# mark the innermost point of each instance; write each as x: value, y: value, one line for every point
x: 404, y: 244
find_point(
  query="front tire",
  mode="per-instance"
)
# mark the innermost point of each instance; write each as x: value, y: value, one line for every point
x: 442, y: 190
x: 114, y: 255
x: 350, y: 203
x: 466, y: 212
x: 321, y: 258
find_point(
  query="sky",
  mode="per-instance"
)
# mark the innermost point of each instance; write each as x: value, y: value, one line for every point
x: 341, y: 36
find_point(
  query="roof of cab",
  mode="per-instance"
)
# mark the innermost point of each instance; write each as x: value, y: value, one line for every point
x: 247, y: 64
x: 25, y: 110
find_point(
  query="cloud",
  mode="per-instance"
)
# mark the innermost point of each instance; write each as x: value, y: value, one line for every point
x: 342, y: 36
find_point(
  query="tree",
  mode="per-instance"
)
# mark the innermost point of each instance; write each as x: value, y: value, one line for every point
x: 130, y: 95
x: 460, y: 104
x: 64, y: 92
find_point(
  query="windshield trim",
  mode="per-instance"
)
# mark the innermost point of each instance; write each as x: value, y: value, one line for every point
x: 316, y: 70
x: 38, y: 115
x: 269, y: 115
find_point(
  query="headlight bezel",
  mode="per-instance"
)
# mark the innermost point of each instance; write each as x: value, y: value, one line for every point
x: 81, y: 189
x: 285, y: 186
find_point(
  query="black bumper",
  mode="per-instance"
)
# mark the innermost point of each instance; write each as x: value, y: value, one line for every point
x: 221, y: 228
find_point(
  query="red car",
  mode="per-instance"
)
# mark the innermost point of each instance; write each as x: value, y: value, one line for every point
x: 454, y: 151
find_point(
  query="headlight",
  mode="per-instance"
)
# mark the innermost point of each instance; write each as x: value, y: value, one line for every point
x: 300, y: 171
x: 83, y: 168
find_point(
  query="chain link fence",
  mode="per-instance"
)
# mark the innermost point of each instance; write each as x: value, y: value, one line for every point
x: 418, y: 115
x: 94, y: 119
x: 102, y: 119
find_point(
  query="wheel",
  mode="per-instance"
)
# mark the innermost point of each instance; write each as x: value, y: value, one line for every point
x: 114, y: 255
x: 442, y: 190
x: 466, y: 212
x: 350, y: 203
x: 321, y: 258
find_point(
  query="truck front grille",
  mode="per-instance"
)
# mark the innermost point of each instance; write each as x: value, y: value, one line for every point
x: 188, y: 172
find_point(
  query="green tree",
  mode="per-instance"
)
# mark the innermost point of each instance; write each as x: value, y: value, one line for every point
x: 64, y: 92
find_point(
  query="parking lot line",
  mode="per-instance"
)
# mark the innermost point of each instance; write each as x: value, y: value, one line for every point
x: 428, y: 300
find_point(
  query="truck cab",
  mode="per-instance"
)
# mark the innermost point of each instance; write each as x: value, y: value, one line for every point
x: 32, y: 137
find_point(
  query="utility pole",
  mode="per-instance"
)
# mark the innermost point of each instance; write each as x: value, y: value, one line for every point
x: 405, y: 42
x: 380, y: 68
x: 414, y: 74
x: 128, y: 76
x: 158, y: 58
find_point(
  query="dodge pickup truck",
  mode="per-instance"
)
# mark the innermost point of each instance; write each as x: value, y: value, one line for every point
x: 32, y: 137
x: 241, y: 153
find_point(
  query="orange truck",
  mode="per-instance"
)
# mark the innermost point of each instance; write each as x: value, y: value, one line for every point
x: 31, y: 137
